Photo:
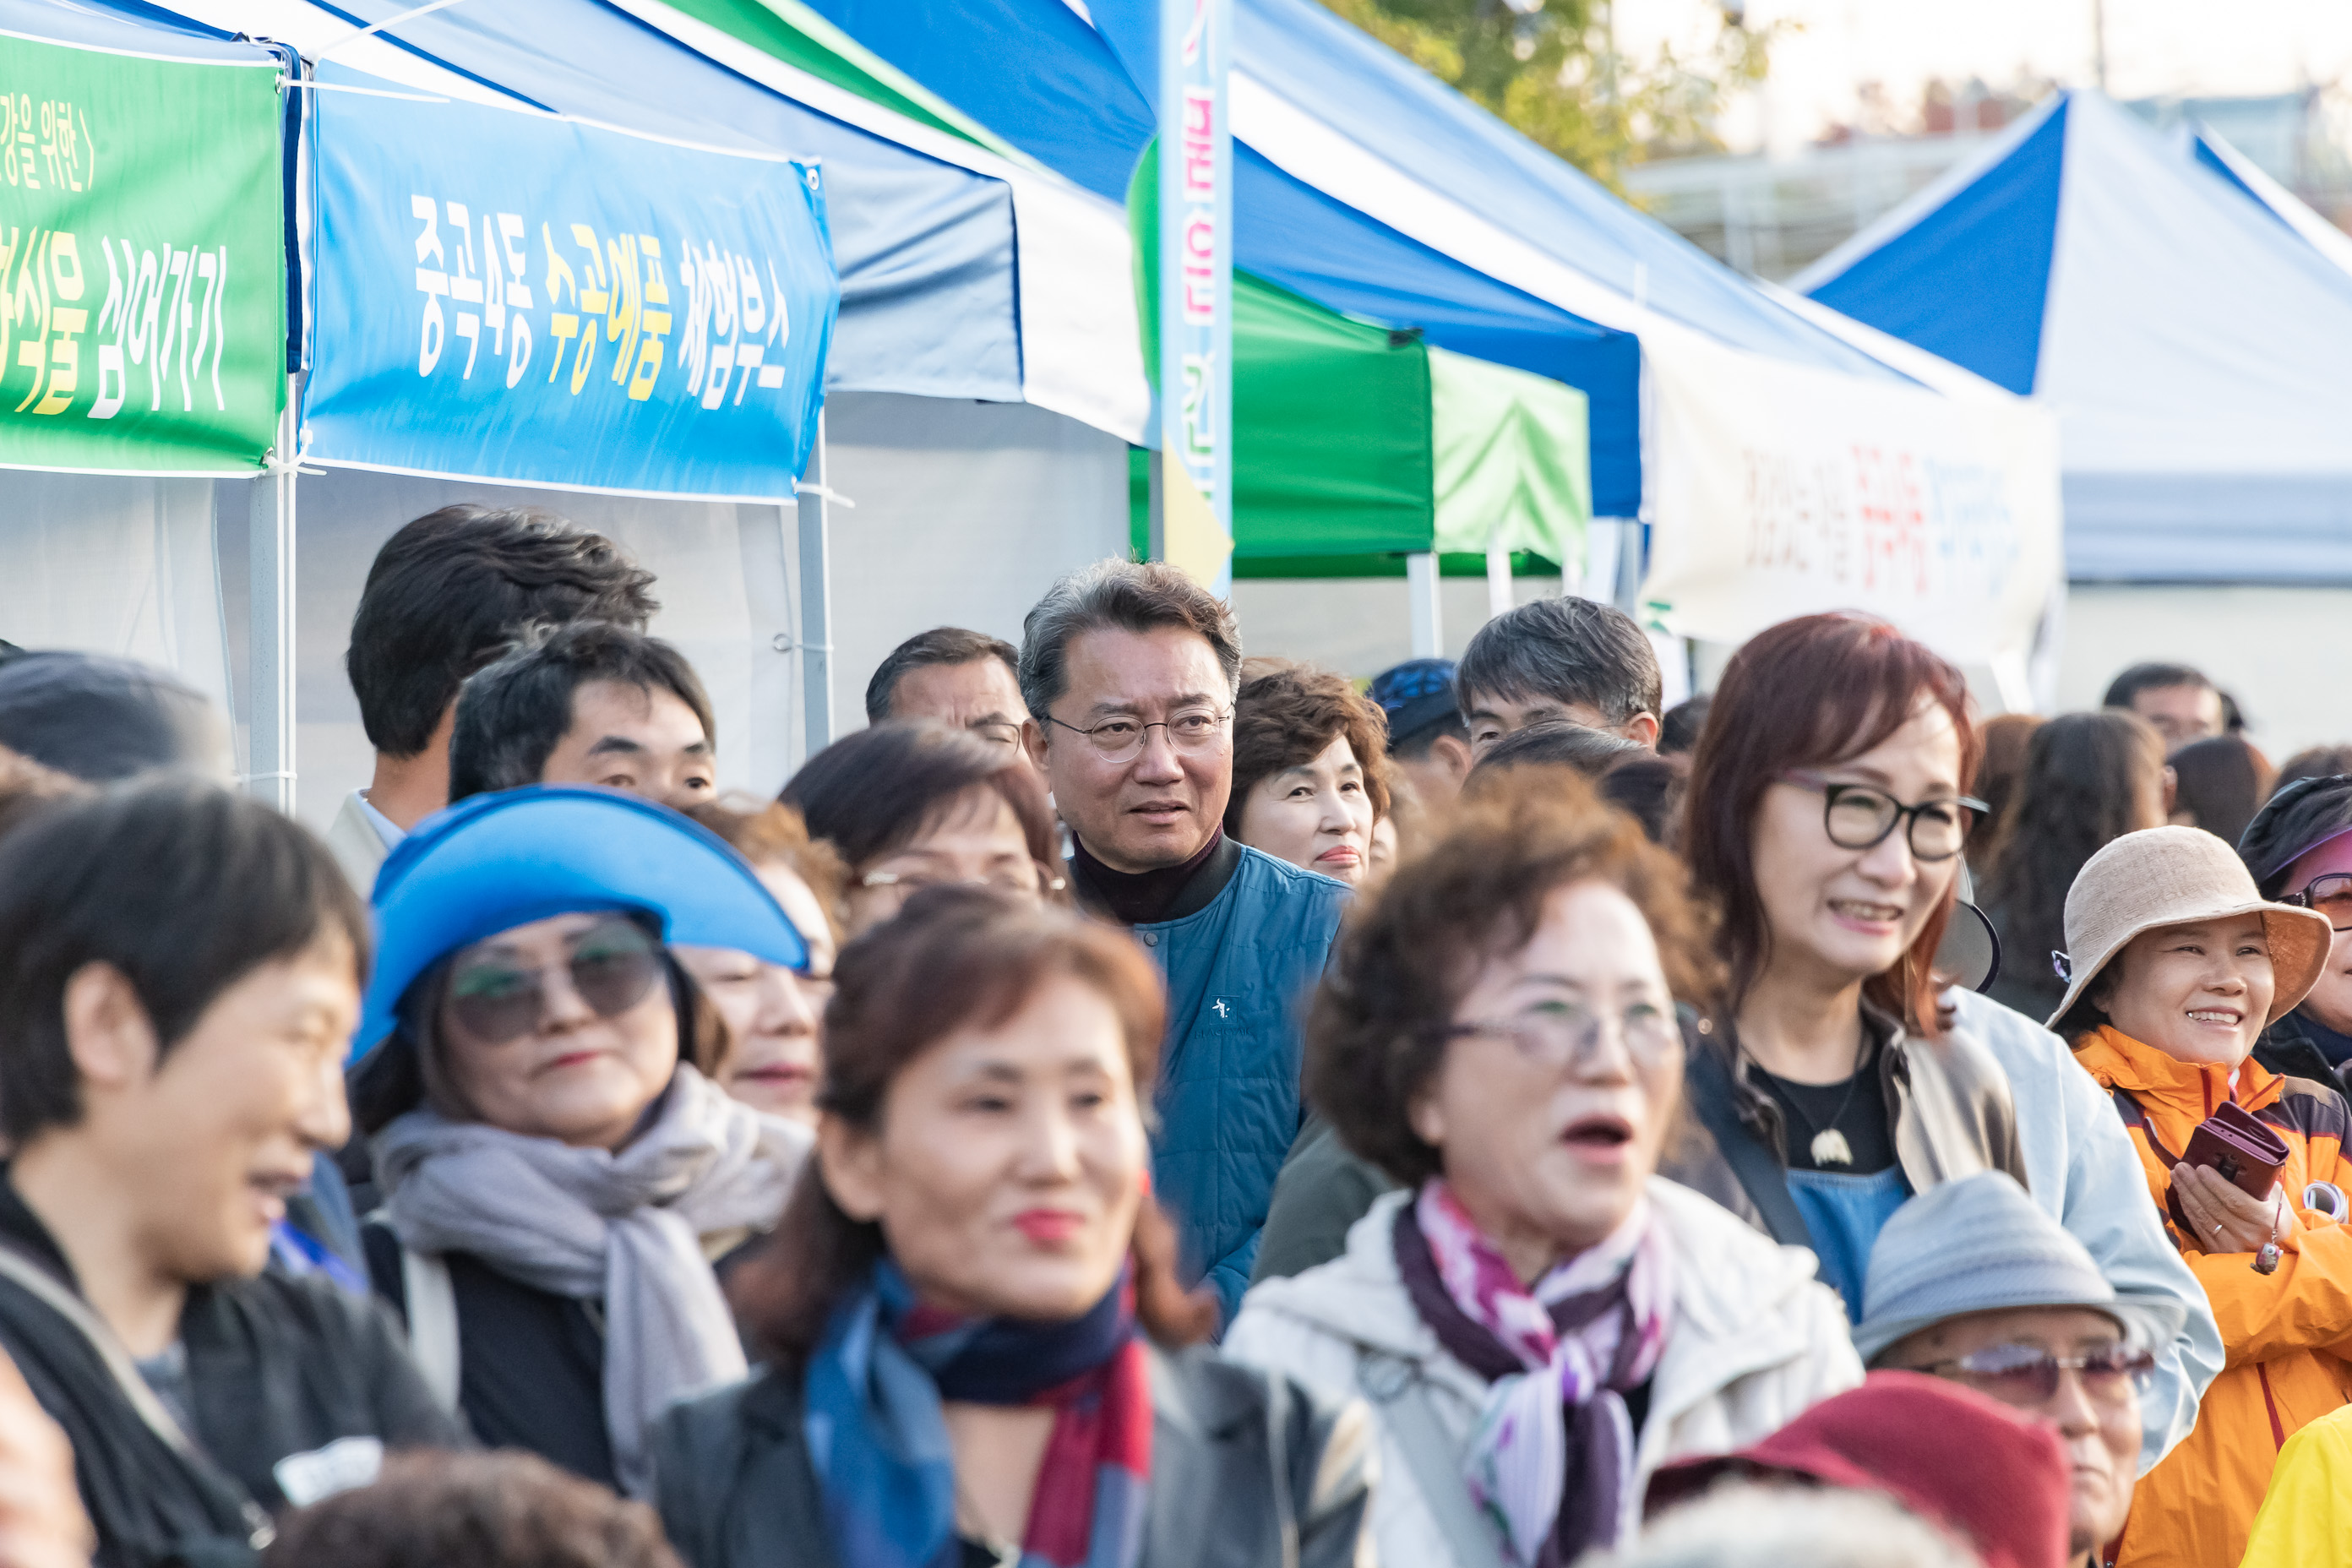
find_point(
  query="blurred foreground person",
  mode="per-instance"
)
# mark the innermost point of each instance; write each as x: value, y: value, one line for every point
x: 505, y: 1509
x: 1429, y: 744
x: 446, y: 596
x: 2178, y: 965
x: 557, y: 1171
x: 1971, y: 1282
x: 2182, y: 704
x: 101, y: 719
x: 774, y: 1015
x: 911, y: 804
x: 1310, y: 770
x: 976, y: 1337
x: 1538, y: 1321
x: 42, y: 1524
x: 1948, y: 1454
x: 966, y: 680
x: 2219, y: 784
x: 182, y: 977
x: 1130, y: 673
x: 2089, y: 779
x: 588, y: 703
x: 2299, y: 850
x: 1843, y: 1077
x: 1575, y: 659
x: 1747, y: 1525
x: 2306, y: 1513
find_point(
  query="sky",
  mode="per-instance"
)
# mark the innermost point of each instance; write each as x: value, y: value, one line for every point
x: 2154, y: 48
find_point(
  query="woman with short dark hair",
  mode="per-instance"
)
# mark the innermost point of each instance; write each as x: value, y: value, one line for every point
x: 1538, y: 1320
x: 1312, y: 771
x: 912, y: 803
x: 977, y: 1348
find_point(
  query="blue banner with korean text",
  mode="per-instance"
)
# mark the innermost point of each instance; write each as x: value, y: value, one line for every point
x: 505, y: 295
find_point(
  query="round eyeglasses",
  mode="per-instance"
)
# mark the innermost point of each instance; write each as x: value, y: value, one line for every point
x: 1862, y: 816
x: 1121, y: 740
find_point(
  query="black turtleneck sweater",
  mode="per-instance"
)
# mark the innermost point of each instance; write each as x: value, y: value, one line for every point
x: 1165, y: 893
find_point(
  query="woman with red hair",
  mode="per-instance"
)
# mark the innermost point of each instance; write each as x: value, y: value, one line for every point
x: 1827, y: 809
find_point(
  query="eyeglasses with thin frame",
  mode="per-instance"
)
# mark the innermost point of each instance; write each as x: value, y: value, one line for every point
x: 2027, y: 1375
x: 1121, y: 740
x: 1562, y: 1033
x: 1862, y: 816
x: 2331, y: 895
x: 1029, y: 879
x: 497, y: 1001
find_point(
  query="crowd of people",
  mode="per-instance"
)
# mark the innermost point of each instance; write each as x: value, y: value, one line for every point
x: 1134, y: 1104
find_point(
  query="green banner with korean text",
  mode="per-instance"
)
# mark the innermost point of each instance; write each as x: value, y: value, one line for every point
x: 142, y: 260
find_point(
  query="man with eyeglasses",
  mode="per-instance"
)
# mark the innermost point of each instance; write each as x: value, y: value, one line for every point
x: 965, y: 679
x: 1129, y: 672
x: 2299, y: 847
x: 1971, y: 1281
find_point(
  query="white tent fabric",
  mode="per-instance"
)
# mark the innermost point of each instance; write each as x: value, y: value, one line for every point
x: 2193, y: 348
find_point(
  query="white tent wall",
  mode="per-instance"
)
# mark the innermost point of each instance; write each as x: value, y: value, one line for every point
x: 123, y: 566
x: 723, y: 585
x: 964, y: 514
x: 2268, y: 646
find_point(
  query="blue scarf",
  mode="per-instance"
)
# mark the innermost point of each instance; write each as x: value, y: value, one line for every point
x: 879, y: 1443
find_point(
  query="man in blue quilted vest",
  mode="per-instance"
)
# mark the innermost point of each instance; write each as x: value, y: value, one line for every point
x: 1130, y: 672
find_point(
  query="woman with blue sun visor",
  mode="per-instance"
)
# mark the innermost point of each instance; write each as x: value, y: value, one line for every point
x: 557, y: 1169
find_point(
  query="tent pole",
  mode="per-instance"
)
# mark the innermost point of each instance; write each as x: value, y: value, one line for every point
x: 270, y: 665
x: 1498, y: 581
x: 1421, y: 586
x: 816, y: 604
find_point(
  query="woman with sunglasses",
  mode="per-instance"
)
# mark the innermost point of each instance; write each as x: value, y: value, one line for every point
x: 911, y: 804
x: 1827, y: 809
x: 556, y: 1169
x: 2176, y: 963
x: 976, y: 1348
x: 2299, y: 848
x: 1536, y: 1322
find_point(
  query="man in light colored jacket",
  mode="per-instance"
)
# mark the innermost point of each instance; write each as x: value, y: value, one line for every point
x: 2081, y: 1170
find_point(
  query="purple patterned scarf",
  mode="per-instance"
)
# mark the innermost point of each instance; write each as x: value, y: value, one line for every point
x: 1551, y: 1460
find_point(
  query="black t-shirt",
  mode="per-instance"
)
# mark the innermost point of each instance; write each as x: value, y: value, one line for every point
x: 1807, y: 1109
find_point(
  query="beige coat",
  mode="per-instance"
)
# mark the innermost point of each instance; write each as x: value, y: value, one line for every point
x: 1756, y: 1340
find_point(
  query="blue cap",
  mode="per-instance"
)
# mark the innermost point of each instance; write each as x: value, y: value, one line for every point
x: 501, y: 860
x: 1414, y: 695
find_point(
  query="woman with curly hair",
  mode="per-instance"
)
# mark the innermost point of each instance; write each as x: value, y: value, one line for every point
x: 1538, y: 1320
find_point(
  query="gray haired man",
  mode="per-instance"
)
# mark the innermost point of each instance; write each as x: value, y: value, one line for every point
x: 1129, y: 673
x: 1573, y: 659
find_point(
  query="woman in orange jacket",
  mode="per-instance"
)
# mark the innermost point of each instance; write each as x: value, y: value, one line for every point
x: 2177, y: 964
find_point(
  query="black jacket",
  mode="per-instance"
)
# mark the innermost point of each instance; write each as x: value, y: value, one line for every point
x: 1248, y: 1470
x: 276, y: 1367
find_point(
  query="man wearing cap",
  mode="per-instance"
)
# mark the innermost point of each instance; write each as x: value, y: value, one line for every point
x: 2176, y: 963
x: 1970, y: 1282
x: 1428, y: 741
x: 2299, y: 848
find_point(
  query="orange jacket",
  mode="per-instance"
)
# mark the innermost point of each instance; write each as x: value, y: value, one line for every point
x: 2286, y: 1336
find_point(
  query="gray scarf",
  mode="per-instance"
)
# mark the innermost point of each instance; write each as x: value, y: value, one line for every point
x: 626, y: 1227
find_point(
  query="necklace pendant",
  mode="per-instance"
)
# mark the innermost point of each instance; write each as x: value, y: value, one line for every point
x: 1830, y: 1148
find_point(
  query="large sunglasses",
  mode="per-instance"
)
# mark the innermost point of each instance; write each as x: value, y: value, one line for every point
x: 495, y: 1000
x: 2026, y: 1375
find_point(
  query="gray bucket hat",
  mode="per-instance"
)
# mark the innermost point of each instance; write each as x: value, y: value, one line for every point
x: 2168, y: 876
x: 1981, y: 1245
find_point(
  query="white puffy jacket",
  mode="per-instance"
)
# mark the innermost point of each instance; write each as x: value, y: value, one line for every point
x: 1756, y: 1340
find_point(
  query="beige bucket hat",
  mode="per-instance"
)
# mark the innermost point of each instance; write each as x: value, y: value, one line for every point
x: 2169, y: 876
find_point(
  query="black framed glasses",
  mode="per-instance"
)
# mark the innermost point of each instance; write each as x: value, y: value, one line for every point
x: 2331, y: 895
x: 1862, y: 816
x: 495, y: 1000
x: 1121, y: 740
x: 2027, y: 1375
x: 1561, y: 1034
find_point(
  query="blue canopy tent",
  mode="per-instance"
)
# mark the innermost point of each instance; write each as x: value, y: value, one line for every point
x: 2209, y: 147
x: 2192, y: 347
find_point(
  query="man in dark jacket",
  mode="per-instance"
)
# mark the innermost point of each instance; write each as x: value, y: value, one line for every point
x: 1129, y: 673
x: 2299, y: 847
x: 179, y: 980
